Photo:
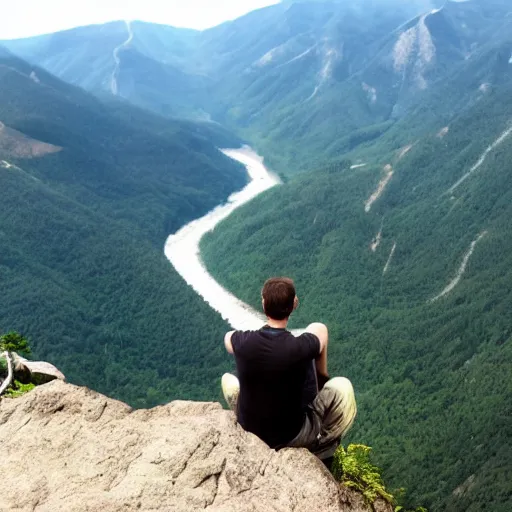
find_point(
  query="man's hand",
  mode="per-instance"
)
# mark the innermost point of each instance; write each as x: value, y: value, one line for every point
x: 321, y: 332
x: 227, y: 342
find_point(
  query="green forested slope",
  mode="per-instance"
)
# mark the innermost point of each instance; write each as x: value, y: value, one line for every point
x: 152, y: 71
x: 82, y: 268
x: 433, y: 378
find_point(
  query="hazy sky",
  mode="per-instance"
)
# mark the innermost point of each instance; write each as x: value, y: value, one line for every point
x: 22, y: 18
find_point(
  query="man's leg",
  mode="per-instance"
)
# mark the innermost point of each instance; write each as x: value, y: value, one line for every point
x: 230, y: 390
x: 330, y: 416
x: 342, y: 410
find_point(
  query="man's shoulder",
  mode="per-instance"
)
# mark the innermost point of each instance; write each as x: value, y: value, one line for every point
x: 306, y: 336
x: 245, y: 334
x: 243, y: 338
x: 307, y: 344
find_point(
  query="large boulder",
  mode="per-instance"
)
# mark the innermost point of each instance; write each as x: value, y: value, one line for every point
x: 37, y: 372
x: 66, y: 448
x: 21, y: 371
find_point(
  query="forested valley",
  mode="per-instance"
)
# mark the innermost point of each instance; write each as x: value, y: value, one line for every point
x: 430, y: 355
x: 82, y: 267
x: 391, y: 130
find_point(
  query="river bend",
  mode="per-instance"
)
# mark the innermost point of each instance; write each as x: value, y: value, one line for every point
x: 182, y: 248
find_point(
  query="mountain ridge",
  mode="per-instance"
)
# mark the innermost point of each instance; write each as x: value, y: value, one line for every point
x: 224, y: 53
x: 83, y: 229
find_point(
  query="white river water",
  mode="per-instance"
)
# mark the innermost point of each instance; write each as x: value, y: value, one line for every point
x: 182, y: 248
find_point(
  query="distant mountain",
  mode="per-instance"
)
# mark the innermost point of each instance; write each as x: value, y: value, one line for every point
x: 359, y: 80
x: 88, y: 194
x: 285, y: 75
x: 274, y: 61
x: 124, y: 60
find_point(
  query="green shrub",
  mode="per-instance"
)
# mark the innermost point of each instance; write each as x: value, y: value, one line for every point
x: 17, y: 389
x: 14, y: 342
x: 352, y: 467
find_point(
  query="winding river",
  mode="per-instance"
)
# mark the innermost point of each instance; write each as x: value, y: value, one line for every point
x: 182, y: 248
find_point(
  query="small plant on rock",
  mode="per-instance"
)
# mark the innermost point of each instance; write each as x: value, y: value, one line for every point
x: 12, y: 342
x: 352, y: 468
x: 17, y: 389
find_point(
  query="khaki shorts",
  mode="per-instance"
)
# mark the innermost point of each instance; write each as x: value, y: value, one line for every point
x: 329, y: 417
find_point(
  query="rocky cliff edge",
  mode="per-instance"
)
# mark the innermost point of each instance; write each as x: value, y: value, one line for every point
x: 67, y: 448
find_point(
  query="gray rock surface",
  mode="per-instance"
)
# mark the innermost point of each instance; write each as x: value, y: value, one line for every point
x: 66, y: 448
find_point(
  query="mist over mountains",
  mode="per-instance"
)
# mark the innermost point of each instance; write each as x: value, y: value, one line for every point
x: 390, y: 123
x: 285, y: 74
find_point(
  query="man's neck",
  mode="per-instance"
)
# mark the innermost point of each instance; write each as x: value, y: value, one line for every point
x: 277, y: 324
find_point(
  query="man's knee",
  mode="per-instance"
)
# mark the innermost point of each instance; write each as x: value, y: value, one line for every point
x: 342, y: 415
x: 343, y: 386
x: 230, y: 389
x: 230, y: 381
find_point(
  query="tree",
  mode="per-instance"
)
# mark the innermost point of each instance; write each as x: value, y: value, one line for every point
x: 14, y: 342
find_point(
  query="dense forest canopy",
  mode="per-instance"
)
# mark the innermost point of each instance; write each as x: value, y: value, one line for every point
x: 430, y: 356
x: 83, y: 226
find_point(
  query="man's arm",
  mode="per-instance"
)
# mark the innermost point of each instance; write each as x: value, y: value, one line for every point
x: 227, y: 342
x: 321, y: 332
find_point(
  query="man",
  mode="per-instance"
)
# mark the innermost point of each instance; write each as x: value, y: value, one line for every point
x: 283, y: 393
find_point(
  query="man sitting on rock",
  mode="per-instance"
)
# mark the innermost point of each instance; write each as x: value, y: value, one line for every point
x: 283, y: 393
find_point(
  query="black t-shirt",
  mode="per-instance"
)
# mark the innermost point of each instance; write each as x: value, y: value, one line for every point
x: 277, y: 381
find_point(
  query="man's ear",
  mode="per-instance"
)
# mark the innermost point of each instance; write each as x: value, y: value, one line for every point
x: 295, y: 302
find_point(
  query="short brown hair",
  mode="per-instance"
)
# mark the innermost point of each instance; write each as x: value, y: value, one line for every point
x: 278, y: 295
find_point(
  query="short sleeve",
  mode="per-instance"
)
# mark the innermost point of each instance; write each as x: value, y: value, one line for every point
x: 237, y: 341
x: 309, y: 345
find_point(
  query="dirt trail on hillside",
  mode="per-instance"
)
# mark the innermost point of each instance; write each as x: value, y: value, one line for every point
x: 376, y: 241
x: 325, y: 74
x: 388, y: 263
x: 380, y: 188
x: 455, y: 281
x: 378, y: 238
x: 443, y: 132
x: 113, y: 81
x: 482, y: 159
x: 403, y: 151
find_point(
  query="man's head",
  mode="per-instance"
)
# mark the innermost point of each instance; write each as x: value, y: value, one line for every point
x: 279, y: 298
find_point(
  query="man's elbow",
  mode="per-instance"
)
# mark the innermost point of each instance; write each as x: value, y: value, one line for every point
x: 227, y: 342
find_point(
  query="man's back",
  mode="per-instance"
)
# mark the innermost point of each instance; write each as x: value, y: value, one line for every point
x: 277, y: 380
